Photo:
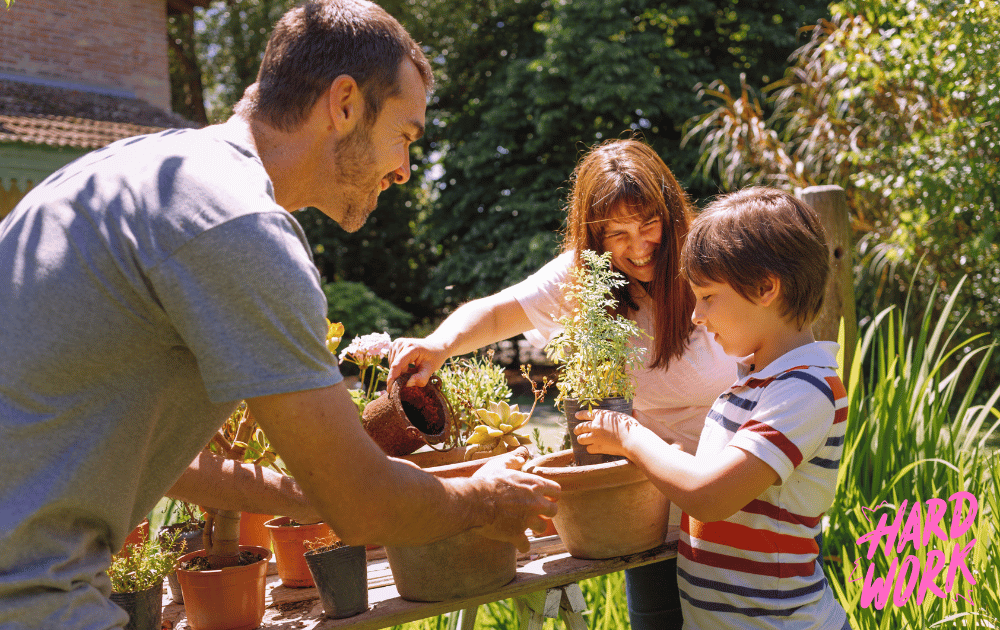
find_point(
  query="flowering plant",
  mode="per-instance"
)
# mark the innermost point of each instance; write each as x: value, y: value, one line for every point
x: 367, y: 352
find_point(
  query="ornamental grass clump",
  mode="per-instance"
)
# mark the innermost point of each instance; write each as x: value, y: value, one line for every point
x: 596, y: 350
x: 916, y: 435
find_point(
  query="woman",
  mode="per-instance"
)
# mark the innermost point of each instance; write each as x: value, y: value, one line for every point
x: 624, y: 200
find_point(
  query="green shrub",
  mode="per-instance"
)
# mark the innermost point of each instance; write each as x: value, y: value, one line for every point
x: 361, y: 311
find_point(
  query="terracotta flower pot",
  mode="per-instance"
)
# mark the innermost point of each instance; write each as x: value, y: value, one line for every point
x: 580, y: 454
x: 144, y: 608
x: 458, y: 566
x: 252, y: 530
x: 605, y: 510
x: 290, y: 548
x: 341, y: 577
x: 405, y: 418
x: 227, y: 599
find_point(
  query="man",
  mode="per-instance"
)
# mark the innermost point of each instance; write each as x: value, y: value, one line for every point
x: 149, y: 286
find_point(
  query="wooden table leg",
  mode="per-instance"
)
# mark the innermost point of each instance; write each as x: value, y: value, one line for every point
x: 465, y: 618
x: 572, y: 605
x: 564, y: 602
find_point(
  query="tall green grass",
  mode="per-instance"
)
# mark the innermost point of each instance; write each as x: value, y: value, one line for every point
x: 914, y: 434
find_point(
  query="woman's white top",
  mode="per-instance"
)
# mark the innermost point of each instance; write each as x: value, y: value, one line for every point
x: 673, y: 403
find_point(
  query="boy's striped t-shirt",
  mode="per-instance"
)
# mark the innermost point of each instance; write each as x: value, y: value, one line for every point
x: 759, y: 568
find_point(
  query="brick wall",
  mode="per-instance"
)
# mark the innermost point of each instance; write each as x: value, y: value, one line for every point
x: 116, y: 44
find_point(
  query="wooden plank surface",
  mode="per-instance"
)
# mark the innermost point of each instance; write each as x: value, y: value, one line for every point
x: 547, y: 565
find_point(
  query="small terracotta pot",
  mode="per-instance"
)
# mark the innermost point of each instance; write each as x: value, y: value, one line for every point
x: 290, y: 548
x: 399, y: 426
x: 341, y: 576
x: 252, y: 530
x: 144, y: 608
x: 462, y: 565
x: 605, y: 510
x: 227, y: 599
x: 580, y: 454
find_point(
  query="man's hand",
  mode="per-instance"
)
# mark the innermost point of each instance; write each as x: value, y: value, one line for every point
x: 427, y: 356
x: 519, y: 499
x: 606, y: 431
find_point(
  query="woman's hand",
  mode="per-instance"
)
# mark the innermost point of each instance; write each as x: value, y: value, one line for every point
x: 425, y: 354
x: 606, y: 431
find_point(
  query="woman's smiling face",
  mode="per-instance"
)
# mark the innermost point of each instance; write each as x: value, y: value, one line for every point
x: 633, y: 242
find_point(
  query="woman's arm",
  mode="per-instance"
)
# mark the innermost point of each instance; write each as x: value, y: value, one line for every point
x: 473, y: 325
x: 707, y: 489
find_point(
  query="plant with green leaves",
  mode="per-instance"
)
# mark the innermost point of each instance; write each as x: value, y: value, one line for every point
x: 469, y: 384
x: 913, y: 434
x: 142, y: 566
x: 596, y: 350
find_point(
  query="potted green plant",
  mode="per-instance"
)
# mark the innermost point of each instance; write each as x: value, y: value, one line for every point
x: 183, y: 525
x: 471, y: 383
x: 595, y: 350
x: 223, y: 584
x: 137, y: 580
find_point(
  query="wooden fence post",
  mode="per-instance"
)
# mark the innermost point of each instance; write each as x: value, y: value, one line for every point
x: 830, y: 203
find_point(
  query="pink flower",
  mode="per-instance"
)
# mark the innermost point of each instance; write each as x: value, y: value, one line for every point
x: 367, y: 349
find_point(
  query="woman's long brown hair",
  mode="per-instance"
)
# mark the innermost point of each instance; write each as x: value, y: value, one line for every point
x: 621, y: 178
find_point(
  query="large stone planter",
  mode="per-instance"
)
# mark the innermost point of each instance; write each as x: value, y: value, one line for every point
x: 605, y: 510
x: 462, y: 565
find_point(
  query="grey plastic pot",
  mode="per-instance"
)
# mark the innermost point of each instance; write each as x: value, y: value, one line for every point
x: 144, y: 608
x: 580, y: 454
x: 341, y: 576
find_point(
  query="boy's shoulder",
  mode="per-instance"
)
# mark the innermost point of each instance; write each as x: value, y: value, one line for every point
x: 817, y: 360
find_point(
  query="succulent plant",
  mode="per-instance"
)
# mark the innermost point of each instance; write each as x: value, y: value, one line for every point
x: 496, y: 433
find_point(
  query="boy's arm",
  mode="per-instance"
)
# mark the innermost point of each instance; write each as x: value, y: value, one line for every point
x: 706, y: 489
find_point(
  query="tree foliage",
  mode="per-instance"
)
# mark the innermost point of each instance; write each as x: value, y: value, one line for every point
x: 900, y: 105
x: 527, y: 85
x: 524, y: 87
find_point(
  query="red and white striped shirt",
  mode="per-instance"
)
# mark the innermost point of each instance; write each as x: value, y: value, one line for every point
x: 758, y: 568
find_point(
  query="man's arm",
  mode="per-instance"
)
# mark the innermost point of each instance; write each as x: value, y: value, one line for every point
x: 213, y: 481
x: 367, y: 497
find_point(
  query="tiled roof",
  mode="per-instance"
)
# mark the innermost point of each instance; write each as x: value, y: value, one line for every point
x: 60, y: 117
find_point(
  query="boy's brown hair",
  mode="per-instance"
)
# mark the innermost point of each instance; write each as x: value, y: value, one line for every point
x: 745, y: 237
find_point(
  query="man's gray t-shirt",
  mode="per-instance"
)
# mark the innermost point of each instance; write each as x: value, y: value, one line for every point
x: 144, y: 290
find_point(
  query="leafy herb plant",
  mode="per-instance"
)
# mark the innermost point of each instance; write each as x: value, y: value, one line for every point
x: 143, y: 566
x: 596, y: 350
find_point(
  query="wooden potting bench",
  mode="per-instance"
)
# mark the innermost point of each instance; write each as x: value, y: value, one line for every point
x: 546, y: 586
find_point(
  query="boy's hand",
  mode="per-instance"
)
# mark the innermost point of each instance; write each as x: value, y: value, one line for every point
x: 606, y: 431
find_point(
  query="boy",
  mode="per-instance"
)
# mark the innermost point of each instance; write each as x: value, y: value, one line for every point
x: 766, y: 467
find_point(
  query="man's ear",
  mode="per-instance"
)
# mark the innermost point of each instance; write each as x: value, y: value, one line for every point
x: 346, y: 103
x: 769, y: 290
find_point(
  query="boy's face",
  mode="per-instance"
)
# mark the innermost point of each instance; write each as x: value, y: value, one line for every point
x: 733, y: 319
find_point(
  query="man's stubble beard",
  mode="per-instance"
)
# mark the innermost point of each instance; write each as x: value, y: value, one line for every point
x: 354, y: 162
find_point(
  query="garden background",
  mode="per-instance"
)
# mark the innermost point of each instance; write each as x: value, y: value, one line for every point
x: 896, y: 102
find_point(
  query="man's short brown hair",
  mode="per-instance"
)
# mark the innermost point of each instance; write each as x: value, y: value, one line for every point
x: 745, y: 237
x: 315, y: 43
